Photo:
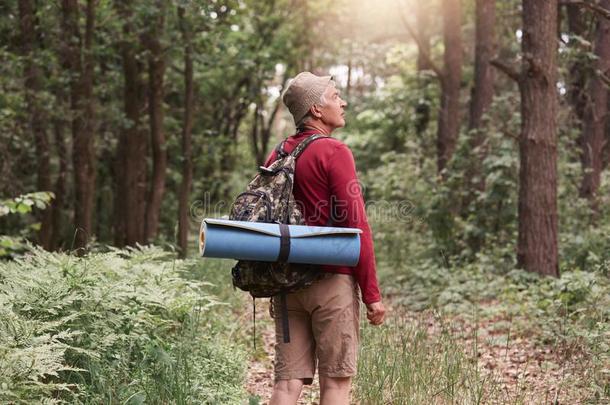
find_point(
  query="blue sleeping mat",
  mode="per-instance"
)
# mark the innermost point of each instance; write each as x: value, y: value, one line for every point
x: 258, y: 241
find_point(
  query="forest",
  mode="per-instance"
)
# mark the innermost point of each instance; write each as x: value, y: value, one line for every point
x: 481, y: 136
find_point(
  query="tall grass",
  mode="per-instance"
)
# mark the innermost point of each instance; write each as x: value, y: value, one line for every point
x: 403, y: 362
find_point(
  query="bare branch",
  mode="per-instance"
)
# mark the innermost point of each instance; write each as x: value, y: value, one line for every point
x: 278, y: 102
x: 511, y: 135
x: 420, y: 46
x: 506, y: 69
x: 593, y: 6
x: 603, y: 77
x: 534, y: 66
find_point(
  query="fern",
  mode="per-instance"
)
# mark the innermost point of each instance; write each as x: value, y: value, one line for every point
x: 121, y: 326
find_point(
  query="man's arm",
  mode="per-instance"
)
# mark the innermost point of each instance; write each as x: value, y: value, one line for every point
x: 350, y: 212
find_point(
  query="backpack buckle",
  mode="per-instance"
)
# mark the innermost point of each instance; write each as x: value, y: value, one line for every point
x: 265, y: 170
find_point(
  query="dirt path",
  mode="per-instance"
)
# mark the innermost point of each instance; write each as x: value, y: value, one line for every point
x: 523, y: 373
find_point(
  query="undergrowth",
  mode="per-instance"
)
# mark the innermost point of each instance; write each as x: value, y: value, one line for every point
x: 126, y: 326
x: 439, y: 248
x: 406, y: 363
x: 570, y: 315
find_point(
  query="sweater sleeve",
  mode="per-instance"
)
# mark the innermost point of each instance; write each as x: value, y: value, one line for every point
x: 270, y: 158
x: 349, y: 211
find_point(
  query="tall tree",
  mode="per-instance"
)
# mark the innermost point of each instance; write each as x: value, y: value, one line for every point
x: 130, y: 202
x: 537, y: 249
x: 156, y: 73
x: 78, y: 57
x: 187, y: 127
x: 60, y: 182
x: 450, y: 77
x: 422, y: 109
x: 37, y: 117
x: 593, y: 137
x: 537, y: 241
x: 606, y: 151
x: 481, y: 98
x: 268, y: 31
x: 482, y: 89
x: 261, y: 128
x: 422, y: 27
x: 577, y: 26
x: 449, y: 114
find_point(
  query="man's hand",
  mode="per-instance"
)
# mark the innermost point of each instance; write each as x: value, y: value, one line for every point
x: 375, y: 312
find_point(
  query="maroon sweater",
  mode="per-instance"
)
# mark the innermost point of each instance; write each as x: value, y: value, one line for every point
x: 326, y: 173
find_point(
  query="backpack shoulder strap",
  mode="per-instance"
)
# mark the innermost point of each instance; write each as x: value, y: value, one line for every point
x: 280, y: 153
x: 304, y: 144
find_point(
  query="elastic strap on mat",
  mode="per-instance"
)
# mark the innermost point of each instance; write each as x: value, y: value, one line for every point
x: 284, y: 243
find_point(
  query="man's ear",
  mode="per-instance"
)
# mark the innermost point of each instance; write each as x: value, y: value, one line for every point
x: 315, y: 111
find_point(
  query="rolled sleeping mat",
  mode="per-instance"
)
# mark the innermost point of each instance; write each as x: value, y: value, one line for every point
x: 266, y: 242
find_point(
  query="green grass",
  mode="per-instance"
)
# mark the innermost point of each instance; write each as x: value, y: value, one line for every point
x: 403, y: 362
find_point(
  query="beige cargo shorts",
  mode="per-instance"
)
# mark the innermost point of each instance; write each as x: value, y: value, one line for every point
x: 323, y: 329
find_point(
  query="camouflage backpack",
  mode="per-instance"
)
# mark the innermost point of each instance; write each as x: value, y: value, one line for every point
x: 269, y: 198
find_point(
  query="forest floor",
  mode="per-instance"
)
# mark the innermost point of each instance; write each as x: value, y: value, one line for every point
x: 513, y: 369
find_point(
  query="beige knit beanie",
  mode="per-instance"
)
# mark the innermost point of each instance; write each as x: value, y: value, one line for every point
x: 304, y: 91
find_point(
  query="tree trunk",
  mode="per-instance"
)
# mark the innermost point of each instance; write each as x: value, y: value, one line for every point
x: 606, y: 151
x: 60, y: 182
x: 348, y: 87
x: 132, y: 150
x: 80, y: 61
x: 254, y: 132
x: 36, y: 114
x: 537, y: 242
x: 261, y: 130
x: 481, y: 97
x: 422, y: 18
x: 187, y: 127
x: 596, y: 110
x: 578, y: 76
x: 482, y: 90
x: 449, y: 114
x: 119, y: 186
x: 84, y: 149
x: 156, y: 72
x: 422, y: 109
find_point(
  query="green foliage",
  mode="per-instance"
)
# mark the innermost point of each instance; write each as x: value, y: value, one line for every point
x: 387, y: 120
x: 583, y: 240
x: 128, y: 326
x: 25, y: 203
x: 241, y: 51
x: 11, y: 246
